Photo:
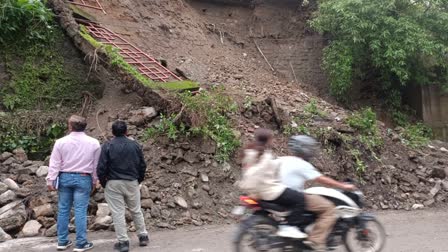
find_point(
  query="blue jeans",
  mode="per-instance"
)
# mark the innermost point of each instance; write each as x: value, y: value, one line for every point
x: 74, y: 189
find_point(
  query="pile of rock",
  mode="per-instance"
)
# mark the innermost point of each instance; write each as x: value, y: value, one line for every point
x: 184, y: 186
x: 22, y: 188
x: 419, y: 180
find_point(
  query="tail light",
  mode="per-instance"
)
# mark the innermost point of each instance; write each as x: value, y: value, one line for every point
x: 248, y: 201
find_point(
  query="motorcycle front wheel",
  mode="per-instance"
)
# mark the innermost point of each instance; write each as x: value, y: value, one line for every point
x: 257, y: 237
x: 371, y: 238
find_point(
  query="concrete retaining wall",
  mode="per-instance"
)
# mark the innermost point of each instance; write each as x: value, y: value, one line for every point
x: 434, y: 109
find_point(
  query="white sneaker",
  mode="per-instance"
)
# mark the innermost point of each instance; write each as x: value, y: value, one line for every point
x: 291, y: 232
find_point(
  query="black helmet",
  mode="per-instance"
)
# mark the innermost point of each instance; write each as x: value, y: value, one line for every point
x: 303, y: 146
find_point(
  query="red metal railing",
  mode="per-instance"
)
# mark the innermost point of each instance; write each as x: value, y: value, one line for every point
x: 144, y: 63
x: 94, y: 4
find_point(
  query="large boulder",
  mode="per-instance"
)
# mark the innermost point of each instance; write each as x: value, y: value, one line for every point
x: 19, y: 169
x: 20, y: 155
x: 141, y: 116
x: 147, y: 203
x: 10, y: 161
x: 11, y: 184
x: 181, y: 202
x: 12, y: 216
x: 144, y: 191
x: 5, y: 155
x: 3, y: 187
x: 46, y: 222
x: 51, y: 232
x: 102, y: 220
x: 103, y: 210
x: 4, y: 236
x: 23, y: 192
x: 39, y: 200
x: 31, y: 228
x: 7, y: 197
x: 44, y: 210
x: 101, y: 223
x: 33, y: 166
x: 42, y: 171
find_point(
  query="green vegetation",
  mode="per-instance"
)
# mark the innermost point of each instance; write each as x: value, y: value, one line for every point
x: 167, y: 127
x: 85, y: 34
x: 31, y: 46
x: 40, y: 80
x: 365, y: 122
x: 24, y: 22
x: 416, y: 135
x: 360, y: 166
x: 297, y: 128
x: 207, y: 115
x: 392, y: 42
x: 302, y: 124
x: 312, y: 110
x: 22, y: 131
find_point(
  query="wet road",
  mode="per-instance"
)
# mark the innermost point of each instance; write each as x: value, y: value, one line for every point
x: 416, y: 231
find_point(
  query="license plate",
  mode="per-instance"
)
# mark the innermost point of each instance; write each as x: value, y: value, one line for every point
x: 238, y: 210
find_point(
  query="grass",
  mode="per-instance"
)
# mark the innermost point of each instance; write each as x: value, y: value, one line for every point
x: 207, y: 112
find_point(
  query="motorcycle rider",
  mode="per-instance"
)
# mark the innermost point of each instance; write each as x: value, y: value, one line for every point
x: 295, y: 170
x: 261, y: 181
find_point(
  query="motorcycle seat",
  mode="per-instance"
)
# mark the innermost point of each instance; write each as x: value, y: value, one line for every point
x: 272, y: 206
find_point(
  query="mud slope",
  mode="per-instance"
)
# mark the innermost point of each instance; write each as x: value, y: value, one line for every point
x: 220, y: 44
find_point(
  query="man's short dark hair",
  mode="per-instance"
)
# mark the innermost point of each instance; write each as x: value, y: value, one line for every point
x: 77, y: 123
x: 119, y: 128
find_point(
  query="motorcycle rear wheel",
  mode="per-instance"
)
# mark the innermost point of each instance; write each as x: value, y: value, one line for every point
x: 373, y: 241
x: 245, y: 242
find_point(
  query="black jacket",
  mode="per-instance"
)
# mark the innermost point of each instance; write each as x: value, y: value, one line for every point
x: 121, y: 159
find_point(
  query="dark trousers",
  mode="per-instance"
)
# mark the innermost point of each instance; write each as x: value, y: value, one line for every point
x: 295, y: 201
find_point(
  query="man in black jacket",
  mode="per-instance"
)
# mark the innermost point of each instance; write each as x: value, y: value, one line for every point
x: 121, y: 169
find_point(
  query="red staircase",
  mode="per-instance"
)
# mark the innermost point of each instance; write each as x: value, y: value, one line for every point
x: 145, y: 64
x: 94, y: 4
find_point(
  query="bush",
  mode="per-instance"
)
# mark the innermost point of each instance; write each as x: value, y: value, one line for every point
x: 416, y: 135
x: 24, y: 21
x: 360, y: 166
x: 400, y: 42
x: 207, y: 115
x: 365, y: 122
x: 311, y: 110
x: 36, y: 143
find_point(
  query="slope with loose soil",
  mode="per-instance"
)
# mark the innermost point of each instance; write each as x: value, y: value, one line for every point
x: 218, y: 44
x: 224, y: 44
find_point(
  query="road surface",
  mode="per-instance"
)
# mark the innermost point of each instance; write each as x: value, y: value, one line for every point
x: 415, y: 231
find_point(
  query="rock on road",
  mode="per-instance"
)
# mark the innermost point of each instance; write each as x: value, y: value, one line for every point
x: 415, y: 231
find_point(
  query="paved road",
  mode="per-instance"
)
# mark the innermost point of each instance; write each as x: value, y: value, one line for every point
x: 417, y: 231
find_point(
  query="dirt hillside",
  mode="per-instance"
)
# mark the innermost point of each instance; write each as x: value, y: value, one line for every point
x: 219, y: 44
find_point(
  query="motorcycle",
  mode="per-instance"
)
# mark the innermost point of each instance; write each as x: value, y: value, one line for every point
x: 355, y: 229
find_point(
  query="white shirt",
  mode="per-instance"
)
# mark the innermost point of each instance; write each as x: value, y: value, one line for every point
x: 294, y: 172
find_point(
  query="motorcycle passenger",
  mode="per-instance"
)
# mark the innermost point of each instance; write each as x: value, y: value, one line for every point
x: 295, y: 170
x: 261, y: 181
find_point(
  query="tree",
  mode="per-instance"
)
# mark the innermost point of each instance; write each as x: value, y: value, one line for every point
x: 24, y: 21
x: 398, y: 42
